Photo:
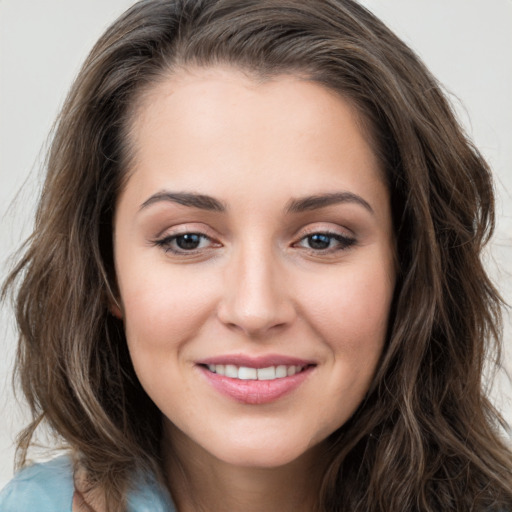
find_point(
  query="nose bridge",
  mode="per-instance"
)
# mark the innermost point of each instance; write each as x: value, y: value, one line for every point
x: 254, y: 299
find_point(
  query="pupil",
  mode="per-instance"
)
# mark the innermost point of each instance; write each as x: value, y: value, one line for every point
x: 319, y: 241
x: 188, y: 241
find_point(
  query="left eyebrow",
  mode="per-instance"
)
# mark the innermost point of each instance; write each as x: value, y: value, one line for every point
x: 316, y: 202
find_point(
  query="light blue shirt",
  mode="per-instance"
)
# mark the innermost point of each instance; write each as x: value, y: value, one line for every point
x: 48, y: 487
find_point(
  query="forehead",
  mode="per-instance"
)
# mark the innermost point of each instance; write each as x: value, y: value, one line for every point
x: 195, y: 89
x: 222, y: 122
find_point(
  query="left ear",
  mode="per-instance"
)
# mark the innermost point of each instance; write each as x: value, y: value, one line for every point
x: 112, y: 299
x: 114, y: 304
x: 115, y: 310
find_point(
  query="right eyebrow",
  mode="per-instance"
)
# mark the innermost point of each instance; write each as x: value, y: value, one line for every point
x: 192, y: 200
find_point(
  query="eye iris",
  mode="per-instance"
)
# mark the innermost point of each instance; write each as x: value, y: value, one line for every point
x: 188, y: 241
x: 319, y: 241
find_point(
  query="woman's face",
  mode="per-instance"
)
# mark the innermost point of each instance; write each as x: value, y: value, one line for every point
x: 254, y: 257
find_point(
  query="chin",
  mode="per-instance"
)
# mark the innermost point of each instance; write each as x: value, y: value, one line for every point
x: 266, y: 453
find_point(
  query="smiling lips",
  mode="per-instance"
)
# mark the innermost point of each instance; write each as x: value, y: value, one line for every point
x: 247, y: 373
x: 255, y: 381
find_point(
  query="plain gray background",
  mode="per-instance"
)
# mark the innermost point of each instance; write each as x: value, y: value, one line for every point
x: 466, y: 43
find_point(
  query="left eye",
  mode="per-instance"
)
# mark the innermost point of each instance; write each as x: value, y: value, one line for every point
x: 326, y: 242
x: 186, y: 242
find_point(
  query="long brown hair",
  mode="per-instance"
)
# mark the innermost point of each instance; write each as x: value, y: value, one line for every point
x: 426, y: 437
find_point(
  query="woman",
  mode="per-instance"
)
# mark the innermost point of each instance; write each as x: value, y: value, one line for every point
x: 254, y: 281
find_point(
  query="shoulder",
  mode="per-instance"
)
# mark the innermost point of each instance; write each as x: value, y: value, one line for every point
x: 46, y: 487
x: 149, y: 496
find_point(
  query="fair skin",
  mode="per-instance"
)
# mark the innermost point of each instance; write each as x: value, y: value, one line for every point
x: 287, y: 266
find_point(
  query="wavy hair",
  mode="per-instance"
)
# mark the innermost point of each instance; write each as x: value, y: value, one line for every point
x: 426, y: 437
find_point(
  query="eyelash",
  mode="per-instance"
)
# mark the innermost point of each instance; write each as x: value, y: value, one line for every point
x: 166, y: 243
x: 343, y: 242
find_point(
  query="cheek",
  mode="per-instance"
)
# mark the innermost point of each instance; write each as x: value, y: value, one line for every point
x: 163, y: 310
x: 351, y: 307
x: 351, y: 319
x: 349, y: 313
x: 163, y: 314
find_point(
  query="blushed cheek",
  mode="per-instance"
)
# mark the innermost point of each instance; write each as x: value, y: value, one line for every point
x: 163, y: 314
x: 351, y: 312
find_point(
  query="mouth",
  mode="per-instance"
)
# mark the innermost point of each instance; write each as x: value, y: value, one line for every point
x: 255, y: 381
x: 249, y: 373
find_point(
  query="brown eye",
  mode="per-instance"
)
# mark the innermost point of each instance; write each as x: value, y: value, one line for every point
x: 326, y: 242
x: 319, y: 241
x: 184, y: 243
x: 188, y: 241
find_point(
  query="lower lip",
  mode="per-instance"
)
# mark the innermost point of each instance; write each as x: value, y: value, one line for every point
x: 255, y: 392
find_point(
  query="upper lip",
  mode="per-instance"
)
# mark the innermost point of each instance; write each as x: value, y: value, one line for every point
x: 256, y: 361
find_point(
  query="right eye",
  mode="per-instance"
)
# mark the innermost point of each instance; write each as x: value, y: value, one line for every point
x: 184, y: 243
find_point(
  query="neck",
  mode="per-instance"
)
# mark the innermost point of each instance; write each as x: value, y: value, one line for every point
x: 201, y: 482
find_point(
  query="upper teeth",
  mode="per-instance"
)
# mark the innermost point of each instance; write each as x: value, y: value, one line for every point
x: 246, y: 373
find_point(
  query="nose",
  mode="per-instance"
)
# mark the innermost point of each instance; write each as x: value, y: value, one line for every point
x: 256, y: 299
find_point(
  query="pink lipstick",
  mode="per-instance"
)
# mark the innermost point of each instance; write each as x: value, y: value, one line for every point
x: 255, y: 380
